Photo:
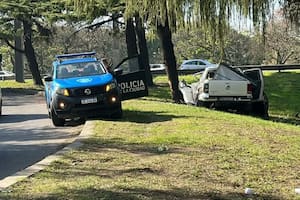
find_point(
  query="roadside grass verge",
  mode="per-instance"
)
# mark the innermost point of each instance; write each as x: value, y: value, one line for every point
x: 11, y: 87
x: 160, y: 150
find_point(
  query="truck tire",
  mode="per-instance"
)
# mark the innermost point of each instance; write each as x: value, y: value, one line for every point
x: 49, y: 111
x: 205, y: 104
x: 261, y: 108
x: 118, y: 114
x: 0, y: 107
x: 55, y: 119
x: 246, y: 109
x: 266, y: 107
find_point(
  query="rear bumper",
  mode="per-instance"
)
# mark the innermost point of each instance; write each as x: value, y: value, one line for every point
x: 206, y: 98
x: 73, y: 106
x: 226, y: 102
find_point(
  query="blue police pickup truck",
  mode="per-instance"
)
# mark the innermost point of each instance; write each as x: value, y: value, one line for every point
x: 81, y: 86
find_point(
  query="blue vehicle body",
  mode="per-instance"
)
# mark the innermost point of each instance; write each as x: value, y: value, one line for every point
x: 80, y: 86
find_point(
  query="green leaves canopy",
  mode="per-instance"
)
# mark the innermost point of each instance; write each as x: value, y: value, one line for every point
x: 214, y: 15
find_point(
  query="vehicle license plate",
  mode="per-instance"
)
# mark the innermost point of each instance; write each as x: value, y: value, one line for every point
x: 226, y: 99
x: 90, y: 100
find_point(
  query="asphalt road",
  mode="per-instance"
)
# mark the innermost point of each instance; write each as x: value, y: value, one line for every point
x: 27, y: 134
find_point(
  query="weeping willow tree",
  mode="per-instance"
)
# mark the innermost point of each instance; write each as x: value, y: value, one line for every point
x: 213, y: 15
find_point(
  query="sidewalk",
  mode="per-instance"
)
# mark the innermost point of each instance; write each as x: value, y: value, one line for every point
x: 86, y: 132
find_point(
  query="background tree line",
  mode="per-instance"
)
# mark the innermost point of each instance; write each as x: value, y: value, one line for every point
x: 116, y: 28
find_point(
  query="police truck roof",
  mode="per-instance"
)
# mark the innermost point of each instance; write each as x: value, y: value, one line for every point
x: 75, y: 58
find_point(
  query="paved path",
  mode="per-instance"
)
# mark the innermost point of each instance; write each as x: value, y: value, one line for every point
x: 27, y: 134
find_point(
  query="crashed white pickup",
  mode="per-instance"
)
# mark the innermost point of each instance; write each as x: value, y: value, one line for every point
x: 224, y: 87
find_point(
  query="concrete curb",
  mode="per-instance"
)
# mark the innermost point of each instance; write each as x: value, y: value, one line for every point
x: 86, y: 132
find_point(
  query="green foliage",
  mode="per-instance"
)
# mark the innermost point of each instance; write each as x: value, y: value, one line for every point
x: 92, y: 9
x: 6, y: 53
x: 212, y: 15
x: 40, y: 13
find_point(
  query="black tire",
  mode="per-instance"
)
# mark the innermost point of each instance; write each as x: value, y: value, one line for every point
x: 205, y: 104
x: 246, y: 109
x: 56, y: 120
x: 266, y: 107
x: 118, y: 114
x: 49, y: 111
x: 0, y: 107
x: 81, y: 120
x: 261, y: 109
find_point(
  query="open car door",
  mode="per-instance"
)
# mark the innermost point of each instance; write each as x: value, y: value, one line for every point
x: 131, y: 81
x: 256, y: 77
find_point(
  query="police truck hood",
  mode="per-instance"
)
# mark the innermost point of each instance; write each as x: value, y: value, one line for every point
x: 84, y: 81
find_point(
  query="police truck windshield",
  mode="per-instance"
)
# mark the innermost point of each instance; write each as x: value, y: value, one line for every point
x: 79, y: 70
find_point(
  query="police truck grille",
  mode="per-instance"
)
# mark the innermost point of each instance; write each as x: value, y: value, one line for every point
x: 78, y: 92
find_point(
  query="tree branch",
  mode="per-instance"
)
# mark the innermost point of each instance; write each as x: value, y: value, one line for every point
x: 94, y: 26
x: 13, y: 47
x: 287, y: 57
x: 97, y: 25
x: 41, y: 29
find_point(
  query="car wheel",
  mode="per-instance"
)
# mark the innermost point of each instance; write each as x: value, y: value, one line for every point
x: 261, y: 108
x: 56, y: 120
x: 49, y: 111
x: 204, y: 104
x: 245, y: 109
x: 0, y: 107
x: 118, y: 114
x: 266, y: 107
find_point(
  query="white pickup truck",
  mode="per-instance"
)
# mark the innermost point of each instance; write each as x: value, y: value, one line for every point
x: 224, y: 87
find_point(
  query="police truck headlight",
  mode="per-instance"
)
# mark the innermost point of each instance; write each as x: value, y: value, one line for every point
x: 63, y: 91
x: 110, y: 86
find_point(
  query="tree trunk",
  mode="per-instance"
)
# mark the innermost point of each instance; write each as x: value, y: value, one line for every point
x: 19, y: 63
x: 30, y: 54
x: 165, y: 36
x: 144, y: 55
x: 131, y: 44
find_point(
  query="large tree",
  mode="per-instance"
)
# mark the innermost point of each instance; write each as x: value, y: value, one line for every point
x: 32, y: 15
x: 213, y: 15
x: 282, y: 45
x: 135, y: 32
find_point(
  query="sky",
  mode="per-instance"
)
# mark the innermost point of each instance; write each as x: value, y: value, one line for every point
x: 245, y: 24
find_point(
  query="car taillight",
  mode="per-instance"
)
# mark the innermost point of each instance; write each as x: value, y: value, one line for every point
x: 249, y: 88
x: 205, y: 88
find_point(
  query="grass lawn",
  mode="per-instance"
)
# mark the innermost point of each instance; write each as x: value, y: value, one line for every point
x: 161, y: 150
x: 10, y: 87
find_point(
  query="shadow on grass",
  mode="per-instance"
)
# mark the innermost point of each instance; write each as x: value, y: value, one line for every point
x: 144, y: 117
x: 97, y: 145
x: 290, y: 120
x: 160, y: 91
x: 147, y: 117
x: 127, y: 193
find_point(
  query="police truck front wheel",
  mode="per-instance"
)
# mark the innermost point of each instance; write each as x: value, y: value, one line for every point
x: 118, y: 114
x: 55, y: 119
